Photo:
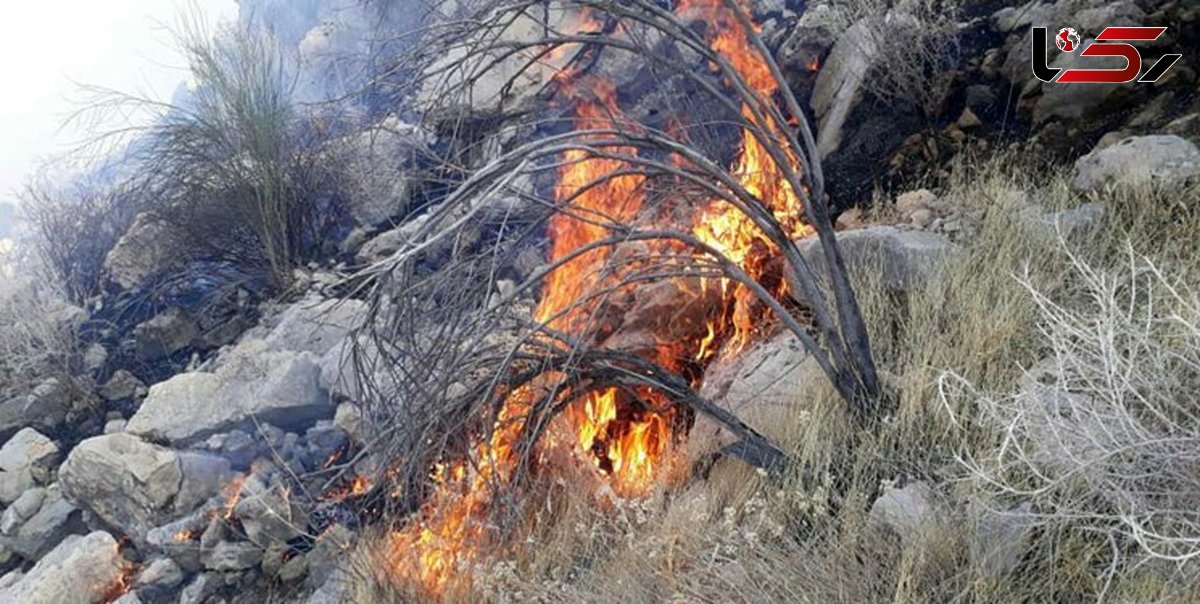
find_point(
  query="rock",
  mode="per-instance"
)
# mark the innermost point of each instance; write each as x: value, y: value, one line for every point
x: 767, y: 386
x: 810, y: 38
x: 1020, y: 17
x: 1165, y: 159
x: 837, y: 89
x: 921, y: 218
x: 907, y: 203
x: 1067, y: 432
x: 80, y: 569
x: 159, y: 576
x: 237, y: 446
x: 315, y: 324
x: 203, y: 586
x: 203, y: 476
x: 348, y: 418
x: 252, y: 385
x: 910, y: 512
x: 1000, y: 539
x: 148, y: 247
x: 334, y: 589
x: 25, y: 506
x: 1187, y: 127
x: 45, y: 407
x: 165, y: 334
x: 377, y: 160
x: 94, y: 358
x: 328, y: 552
x: 229, y: 556
x: 128, y: 598
x: 9, y: 579
x: 127, y: 482
x: 1075, y: 220
x: 904, y: 260
x: 968, y: 120
x: 46, y: 527
x: 114, y: 426
x: 122, y: 385
x: 267, y: 513
x: 25, y: 460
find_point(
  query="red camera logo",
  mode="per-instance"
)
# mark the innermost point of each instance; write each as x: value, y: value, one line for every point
x: 1110, y: 43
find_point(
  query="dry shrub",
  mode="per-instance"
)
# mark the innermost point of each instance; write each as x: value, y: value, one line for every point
x: 914, y: 44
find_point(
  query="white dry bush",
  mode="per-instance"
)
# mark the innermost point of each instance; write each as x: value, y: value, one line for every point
x: 1104, y: 436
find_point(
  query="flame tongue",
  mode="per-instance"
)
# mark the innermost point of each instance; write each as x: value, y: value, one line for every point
x: 624, y: 436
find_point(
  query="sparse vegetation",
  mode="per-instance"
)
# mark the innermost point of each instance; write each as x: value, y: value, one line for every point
x: 1018, y: 292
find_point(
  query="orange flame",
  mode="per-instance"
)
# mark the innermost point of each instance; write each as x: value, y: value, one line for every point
x: 625, y: 441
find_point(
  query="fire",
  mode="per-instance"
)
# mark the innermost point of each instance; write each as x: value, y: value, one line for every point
x: 233, y: 494
x: 623, y: 437
x: 185, y: 535
x: 722, y: 226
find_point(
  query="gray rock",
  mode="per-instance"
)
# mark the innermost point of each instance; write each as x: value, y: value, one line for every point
x: 904, y: 260
x: 237, y: 446
x: 49, y: 524
x: 328, y: 553
x: 94, y: 358
x: 910, y: 512
x: 127, y: 482
x: 114, y: 426
x: 315, y: 324
x: 333, y: 589
x: 25, y: 460
x: 165, y: 334
x: 203, y: 586
x: 267, y: 514
x: 148, y: 247
x: 128, y: 598
x: 80, y: 569
x: 766, y: 386
x: 122, y: 385
x: 1075, y: 220
x: 838, y: 86
x: 377, y: 159
x: 159, y: 576
x: 1000, y: 539
x: 27, y: 504
x: 252, y: 385
x: 203, y: 476
x: 348, y: 418
x: 229, y: 556
x: 1159, y: 158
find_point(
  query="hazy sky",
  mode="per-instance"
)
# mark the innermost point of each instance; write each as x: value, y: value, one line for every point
x: 48, y: 45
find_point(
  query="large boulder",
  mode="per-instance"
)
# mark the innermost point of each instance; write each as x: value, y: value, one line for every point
x: 25, y: 460
x: 1160, y: 158
x: 134, y: 485
x: 378, y: 161
x: 904, y: 259
x: 253, y: 384
x: 86, y: 569
x: 766, y: 386
x: 129, y: 483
